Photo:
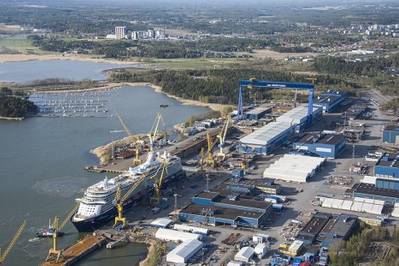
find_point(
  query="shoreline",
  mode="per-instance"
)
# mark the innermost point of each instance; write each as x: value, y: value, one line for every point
x: 8, y: 58
x: 156, y: 88
x: 8, y: 118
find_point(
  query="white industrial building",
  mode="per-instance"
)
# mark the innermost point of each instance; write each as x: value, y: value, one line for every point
x: 183, y: 252
x: 161, y: 222
x: 191, y: 229
x: 173, y: 235
x: 260, y: 250
x: 272, y: 135
x: 294, y: 168
x: 266, y: 138
x: 298, y: 115
x: 357, y: 205
x: 245, y: 254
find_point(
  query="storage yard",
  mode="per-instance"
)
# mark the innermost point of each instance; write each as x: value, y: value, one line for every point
x: 268, y: 188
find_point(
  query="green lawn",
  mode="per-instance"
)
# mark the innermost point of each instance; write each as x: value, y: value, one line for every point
x: 19, y: 44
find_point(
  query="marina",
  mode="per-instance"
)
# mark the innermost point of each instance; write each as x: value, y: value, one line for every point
x: 73, y: 104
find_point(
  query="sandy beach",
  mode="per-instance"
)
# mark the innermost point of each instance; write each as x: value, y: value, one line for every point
x: 31, y: 57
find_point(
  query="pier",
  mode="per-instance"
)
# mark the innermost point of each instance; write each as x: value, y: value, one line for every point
x: 76, y: 252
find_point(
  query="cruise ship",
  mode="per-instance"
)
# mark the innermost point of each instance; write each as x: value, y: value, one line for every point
x: 97, y: 206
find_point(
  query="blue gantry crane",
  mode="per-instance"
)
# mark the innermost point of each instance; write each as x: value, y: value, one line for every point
x: 267, y: 84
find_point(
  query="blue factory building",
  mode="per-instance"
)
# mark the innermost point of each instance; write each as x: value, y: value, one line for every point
x: 329, y: 100
x: 387, y: 166
x: 391, y: 134
x: 386, y: 185
x: 324, y: 145
x: 219, y: 208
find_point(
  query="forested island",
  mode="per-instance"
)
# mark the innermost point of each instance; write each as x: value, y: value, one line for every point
x: 15, y: 105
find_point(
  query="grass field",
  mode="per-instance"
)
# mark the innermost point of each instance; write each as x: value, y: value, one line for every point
x: 19, y: 44
x: 193, y: 63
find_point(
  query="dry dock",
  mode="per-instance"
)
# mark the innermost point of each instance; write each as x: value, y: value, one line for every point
x: 77, y: 251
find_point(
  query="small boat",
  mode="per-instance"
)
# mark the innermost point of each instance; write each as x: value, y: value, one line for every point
x: 164, y: 105
x: 48, y: 232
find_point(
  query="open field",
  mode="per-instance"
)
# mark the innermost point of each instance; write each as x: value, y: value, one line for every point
x: 267, y: 53
x: 19, y: 45
x: 193, y: 63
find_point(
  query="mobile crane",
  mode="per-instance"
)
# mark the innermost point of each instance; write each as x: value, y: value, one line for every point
x: 12, y: 243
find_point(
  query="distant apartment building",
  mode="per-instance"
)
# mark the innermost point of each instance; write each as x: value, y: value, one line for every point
x: 135, y: 35
x: 151, y: 34
x: 120, y: 32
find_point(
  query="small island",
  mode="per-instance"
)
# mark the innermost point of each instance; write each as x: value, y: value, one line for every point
x: 15, y: 105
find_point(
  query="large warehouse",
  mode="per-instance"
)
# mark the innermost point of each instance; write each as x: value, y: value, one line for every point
x: 294, y: 168
x: 324, y: 145
x: 269, y: 137
x: 183, y: 252
x: 220, y: 208
x: 391, y: 134
x: 387, y: 165
x: 329, y: 100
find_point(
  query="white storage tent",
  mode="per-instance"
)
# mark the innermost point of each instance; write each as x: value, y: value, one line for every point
x: 293, y: 167
x: 161, y: 222
x: 173, y: 235
x: 357, y: 205
x: 245, y: 254
x: 183, y: 252
x: 189, y: 228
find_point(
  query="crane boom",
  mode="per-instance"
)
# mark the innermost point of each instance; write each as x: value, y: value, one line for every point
x: 123, y: 124
x: 154, y: 129
x: 68, y: 216
x: 12, y: 242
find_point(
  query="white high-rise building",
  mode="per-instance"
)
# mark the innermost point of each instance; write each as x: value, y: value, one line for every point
x: 135, y: 35
x: 151, y: 34
x: 120, y: 32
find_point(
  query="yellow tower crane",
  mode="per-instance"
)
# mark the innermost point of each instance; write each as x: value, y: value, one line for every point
x: 154, y: 130
x: 54, y: 253
x: 12, y: 243
x: 137, y: 159
x: 210, y: 160
x: 222, y: 137
x: 120, y: 200
x: 159, y: 182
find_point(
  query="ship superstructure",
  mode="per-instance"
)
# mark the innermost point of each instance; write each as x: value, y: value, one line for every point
x: 97, y: 206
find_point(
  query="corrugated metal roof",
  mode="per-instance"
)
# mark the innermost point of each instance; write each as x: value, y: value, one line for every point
x: 186, y: 249
x: 266, y: 134
x: 244, y: 254
x: 296, y: 115
x: 173, y: 235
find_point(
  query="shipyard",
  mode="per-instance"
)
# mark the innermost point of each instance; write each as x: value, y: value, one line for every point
x: 256, y: 186
x: 209, y: 133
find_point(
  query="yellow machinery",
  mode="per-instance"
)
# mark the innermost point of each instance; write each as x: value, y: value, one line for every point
x: 210, y: 160
x: 54, y: 252
x: 119, y: 201
x: 222, y: 136
x: 12, y: 243
x: 158, y: 184
x: 136, y: 160
x: 154, y: 130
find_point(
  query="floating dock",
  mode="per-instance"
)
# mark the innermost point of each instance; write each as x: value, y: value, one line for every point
x: 79, y: 250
